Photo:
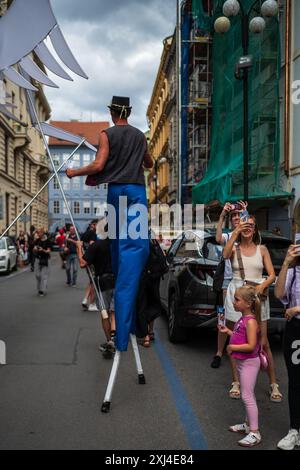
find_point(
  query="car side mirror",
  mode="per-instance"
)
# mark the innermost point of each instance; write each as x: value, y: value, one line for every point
x: 11, y: 248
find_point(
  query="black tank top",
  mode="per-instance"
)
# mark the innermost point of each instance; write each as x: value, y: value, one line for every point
x: 127, y: 148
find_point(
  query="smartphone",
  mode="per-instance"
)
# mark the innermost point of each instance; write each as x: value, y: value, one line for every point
x: 245, y: 216
x: 236, y: 206
x: 221, y: 316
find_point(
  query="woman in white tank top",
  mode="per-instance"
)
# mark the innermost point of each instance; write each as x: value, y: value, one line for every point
x: 256, y: 258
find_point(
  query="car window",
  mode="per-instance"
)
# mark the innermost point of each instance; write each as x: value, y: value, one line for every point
x: 2, y: 244
x: 277, y: 250
x: 212, y: 251
x: 190, y: 248
x: 10, y: 243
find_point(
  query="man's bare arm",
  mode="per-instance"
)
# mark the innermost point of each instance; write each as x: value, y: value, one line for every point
x: 98, y: 164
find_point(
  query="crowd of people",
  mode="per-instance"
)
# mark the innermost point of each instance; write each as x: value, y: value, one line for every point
x: 247, y: 310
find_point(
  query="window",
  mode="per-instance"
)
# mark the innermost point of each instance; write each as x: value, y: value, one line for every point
x: 86, y: 159
x: 76, y: 207
x: 76, y: 160
x: 76, y: 184
x: 56, y: 159
x: 55, y: 184
x: 87, y: 207
x: 56, y: 207
x: 97, y: 208
x: 190, y: 247
x: 66, y: 183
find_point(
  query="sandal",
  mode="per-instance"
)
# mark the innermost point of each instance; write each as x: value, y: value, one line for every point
x: 146, y: 342
x: 275, y: 394
x: 235, y: 391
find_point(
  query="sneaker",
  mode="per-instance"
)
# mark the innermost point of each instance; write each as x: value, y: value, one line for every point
x: 93, y: 308
x: 216, y: 362
x: 103, y: 347
x: 251, y: 440
x: 109, y: 350
x: 242, y: 428
x: 291, y: 440
x: 85, y: 304
x: 41, y: 294
x: 73, y: 285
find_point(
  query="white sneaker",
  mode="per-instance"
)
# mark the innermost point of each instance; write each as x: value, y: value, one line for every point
x: 252, y: 439
x: 242, y: 428
x: 85, y: 304
x: 93, y: 308
x: 291, y: 440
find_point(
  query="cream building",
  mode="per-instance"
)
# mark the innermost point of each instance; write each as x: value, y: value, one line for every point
x: 23, y: 162
x: 159, y: 132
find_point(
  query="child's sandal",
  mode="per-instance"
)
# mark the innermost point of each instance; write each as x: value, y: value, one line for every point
x: 235, y: 391
x: 275, y: 394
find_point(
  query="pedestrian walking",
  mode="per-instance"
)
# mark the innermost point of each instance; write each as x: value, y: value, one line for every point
x: 71, y: 257
x: 60, y: 240
x: 22, y: 246
x: 244, y: 348
x: 248, y: 260
x: 31, y: 238
x: 233, y: 211
x: 89, y: 237
x: 42, y: 250
x: 287, y: 289
x: 98, y: 256
x: 119, y: 162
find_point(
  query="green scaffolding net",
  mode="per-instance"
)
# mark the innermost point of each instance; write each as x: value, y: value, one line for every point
x: 223, y: 180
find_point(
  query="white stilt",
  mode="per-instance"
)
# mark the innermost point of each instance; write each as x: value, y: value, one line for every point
x: 137, y: 357
x: 113, y: 375
x: 111, y: 383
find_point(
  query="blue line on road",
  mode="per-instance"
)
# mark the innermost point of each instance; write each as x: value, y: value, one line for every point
x: 185, y: 410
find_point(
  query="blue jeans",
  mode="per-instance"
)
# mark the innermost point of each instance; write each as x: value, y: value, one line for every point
x: 71, y: 269
x: 129, y: 257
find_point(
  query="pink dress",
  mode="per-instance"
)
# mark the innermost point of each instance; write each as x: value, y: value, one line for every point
x: 239, y: 336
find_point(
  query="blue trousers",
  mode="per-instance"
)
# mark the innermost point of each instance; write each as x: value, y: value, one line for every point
x: 129, y: 256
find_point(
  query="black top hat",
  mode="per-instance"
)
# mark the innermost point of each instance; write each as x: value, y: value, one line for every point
x: 119, y: 102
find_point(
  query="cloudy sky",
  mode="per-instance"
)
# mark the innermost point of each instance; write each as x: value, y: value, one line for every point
x: 119, y: 44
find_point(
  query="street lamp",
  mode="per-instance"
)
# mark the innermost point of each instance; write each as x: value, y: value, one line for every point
x: 256, y: 25
x: 157, y: 162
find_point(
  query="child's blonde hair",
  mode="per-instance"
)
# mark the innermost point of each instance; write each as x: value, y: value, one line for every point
x: 248, y: 293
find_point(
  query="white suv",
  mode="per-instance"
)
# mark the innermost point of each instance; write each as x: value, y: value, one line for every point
x: 8, y: 255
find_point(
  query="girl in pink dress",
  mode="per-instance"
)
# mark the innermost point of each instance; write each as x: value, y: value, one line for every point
x: 244, y: 348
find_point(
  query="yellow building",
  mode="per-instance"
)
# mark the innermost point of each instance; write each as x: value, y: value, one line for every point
x: 23, y: 163
x: 159, y: 132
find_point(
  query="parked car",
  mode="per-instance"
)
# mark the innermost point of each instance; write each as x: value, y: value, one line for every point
x: 186, y: 291
x: 8, y: 255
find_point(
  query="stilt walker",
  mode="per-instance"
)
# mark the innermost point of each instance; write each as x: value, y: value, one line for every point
x: 122, y: 155
x: 23, y: 31
x: 31, y: 22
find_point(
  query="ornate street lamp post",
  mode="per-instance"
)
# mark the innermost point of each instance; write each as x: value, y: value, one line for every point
x: 256, y: 25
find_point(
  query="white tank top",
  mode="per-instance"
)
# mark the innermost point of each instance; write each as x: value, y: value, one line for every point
x: 253, y: 266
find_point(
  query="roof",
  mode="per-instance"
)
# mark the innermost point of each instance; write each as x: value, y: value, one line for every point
x: 89, y: 130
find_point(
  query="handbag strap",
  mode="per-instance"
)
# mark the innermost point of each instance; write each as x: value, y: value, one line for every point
x: 240, y: 261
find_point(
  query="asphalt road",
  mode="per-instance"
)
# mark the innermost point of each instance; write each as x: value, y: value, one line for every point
x: 54, y: 382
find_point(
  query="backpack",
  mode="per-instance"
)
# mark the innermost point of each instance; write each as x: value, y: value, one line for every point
x: 219, y: 276
x: 157, y: 264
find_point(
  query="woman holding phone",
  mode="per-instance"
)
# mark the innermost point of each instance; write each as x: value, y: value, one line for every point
x: 287, y: 290
x: 249, y: 259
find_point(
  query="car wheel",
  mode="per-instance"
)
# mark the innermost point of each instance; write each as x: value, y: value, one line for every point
x: 177, y: 333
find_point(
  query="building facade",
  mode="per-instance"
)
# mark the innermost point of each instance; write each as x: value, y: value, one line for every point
x: 23, y: 163
x: 159, y: 132
x: 86, y: 202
